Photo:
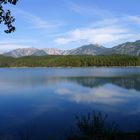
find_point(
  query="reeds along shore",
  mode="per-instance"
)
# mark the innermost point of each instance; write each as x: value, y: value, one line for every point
x: 90, y: 126
x: 95, y: 126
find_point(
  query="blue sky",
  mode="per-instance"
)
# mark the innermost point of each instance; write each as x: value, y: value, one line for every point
x: 67, y: 24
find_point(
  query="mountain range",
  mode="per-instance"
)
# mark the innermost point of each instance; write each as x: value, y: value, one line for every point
x: 128, y: 48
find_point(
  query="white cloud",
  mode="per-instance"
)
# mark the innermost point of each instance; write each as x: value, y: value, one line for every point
x: 36, y: 21
x: 134, y: 19
x: 87, y: 10
x: 93, y: 35
x: 16, y: 41
x: 11, y: 46
x: 106, y: 31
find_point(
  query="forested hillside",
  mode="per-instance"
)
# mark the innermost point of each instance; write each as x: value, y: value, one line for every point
x: 69, y: 61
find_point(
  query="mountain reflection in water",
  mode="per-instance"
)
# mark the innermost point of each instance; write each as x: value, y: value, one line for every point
x: 45, y: 101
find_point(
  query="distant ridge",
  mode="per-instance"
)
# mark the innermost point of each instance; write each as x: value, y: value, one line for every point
x: 128, y: 48
x: 25, y: 52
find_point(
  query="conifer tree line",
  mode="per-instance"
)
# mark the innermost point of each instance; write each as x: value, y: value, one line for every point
x: 70, y: 61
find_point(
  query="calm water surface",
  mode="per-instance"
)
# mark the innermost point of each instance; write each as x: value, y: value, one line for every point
x: 42, y: 102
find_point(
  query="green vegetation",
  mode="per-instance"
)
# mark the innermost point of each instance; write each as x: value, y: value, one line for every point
x: 70, y: 61
x: 96, y: 126
x: 90, y: 126
x: 5, y: 15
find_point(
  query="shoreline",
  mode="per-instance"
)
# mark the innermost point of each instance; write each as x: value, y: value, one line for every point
x: 71, y: 67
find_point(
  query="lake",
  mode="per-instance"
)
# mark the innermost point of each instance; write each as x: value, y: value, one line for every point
x: 41, y: 103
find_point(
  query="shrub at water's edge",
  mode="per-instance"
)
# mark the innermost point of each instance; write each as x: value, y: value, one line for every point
x: 94, y: 126
x: 91, y: 126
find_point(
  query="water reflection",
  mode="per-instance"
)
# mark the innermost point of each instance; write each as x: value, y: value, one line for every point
x: 24, y: 82
x: 47, y: 104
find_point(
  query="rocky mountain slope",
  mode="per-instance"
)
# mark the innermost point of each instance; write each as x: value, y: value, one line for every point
x: 53, y: 51
x: 92, y: 49
x: 128, y: 48
x: 25, y: 52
